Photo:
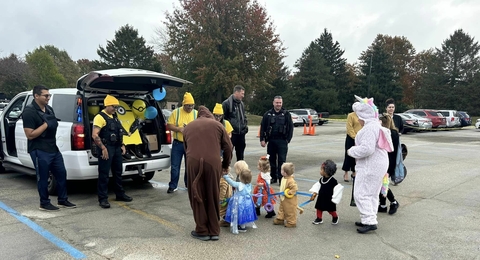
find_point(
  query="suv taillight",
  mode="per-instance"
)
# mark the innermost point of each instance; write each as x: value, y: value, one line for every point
x: 168, y: 135
x: 78, y: 136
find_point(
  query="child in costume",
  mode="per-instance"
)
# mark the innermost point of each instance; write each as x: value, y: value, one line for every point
x: 263, y: 187
x: 329, y: 192
x: 226, y: 191
x: 287, y: 213
x: 241, y: 210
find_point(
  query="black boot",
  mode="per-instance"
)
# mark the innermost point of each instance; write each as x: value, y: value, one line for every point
x: 270, y: 214
x: 257, y: 209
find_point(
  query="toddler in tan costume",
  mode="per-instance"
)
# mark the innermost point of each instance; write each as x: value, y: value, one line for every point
x: 287, y: 213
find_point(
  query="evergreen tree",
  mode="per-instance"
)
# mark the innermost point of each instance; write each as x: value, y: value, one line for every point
x: 313, y: 85
x: 332, y: 55
x: 378, y: 76
x: 126, y: 50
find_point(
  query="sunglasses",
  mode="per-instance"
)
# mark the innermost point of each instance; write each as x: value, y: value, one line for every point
x: 218, y: 116
x: 189, y: 106
x: 46, y: 95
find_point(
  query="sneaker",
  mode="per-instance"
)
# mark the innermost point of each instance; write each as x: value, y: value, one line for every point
x: 317, y: 221
x: 66, y: 204
x: 104, y: 204
x: 170, y: 190
x: 242, y: 229
x: 393, y: 207
x: 382, y: 208
x: 334, y: 220
x: 48, y: 207
x: 124, y: 197
x: 366, y: 228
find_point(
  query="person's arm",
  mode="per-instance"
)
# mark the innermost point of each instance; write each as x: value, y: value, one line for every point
x: 292, y: 185
x: 263, y: 127
x: 231, y: 182
x: 289, y: 127
x: 226, y: 109
x: 365, y: 146
x: 350, y: 129
x: 29, y: 125
x: 227, y: 147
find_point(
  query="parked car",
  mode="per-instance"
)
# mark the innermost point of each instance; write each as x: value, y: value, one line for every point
x: 477, y: 124
x: 409, y: 123
x: 76, y: 107
x: 423, y: 122
x: 323, y: 118
x: 437, y: 118
x: 451, y: 116
x: 297, y: 120
x: 465, y: 119
x: 306, y: 113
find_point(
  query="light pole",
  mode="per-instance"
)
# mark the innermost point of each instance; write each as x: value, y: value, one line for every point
x: 369, y: 76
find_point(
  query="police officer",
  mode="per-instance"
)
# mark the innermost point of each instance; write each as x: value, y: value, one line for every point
x: 107, y: 134
x: 276, y: 129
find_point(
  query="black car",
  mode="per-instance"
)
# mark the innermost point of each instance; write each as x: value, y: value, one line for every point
x: 465, y: 119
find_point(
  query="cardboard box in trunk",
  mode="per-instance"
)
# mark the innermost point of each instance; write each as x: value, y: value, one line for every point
x: 153, y: 142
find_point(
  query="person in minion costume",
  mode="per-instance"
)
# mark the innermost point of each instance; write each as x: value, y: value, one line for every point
x: 179, y: 118
x: 218, y: 114
x: 108, y: 136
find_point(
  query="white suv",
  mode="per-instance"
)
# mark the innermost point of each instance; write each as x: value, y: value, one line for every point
x: 452, y: 118
x: 71, y: 106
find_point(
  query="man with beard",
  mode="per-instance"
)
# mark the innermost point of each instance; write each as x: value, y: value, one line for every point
x: 203, y: 139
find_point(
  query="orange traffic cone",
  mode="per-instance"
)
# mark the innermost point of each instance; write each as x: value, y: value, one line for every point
x: 312, y: 130
x: 258, y: 135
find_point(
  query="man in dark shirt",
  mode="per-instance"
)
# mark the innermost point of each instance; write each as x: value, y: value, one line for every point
x: 234, y: 112
x: 276, y: 130
x: 40, y: 127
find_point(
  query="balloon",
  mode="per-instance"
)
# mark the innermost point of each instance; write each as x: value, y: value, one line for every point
x: 151, y: 113
x: 138, y: 108
x: 159, y: 93
x: 93, y: 110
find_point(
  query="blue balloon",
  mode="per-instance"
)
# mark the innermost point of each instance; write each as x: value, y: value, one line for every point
x: 151, y: 113
x: 159, y: 93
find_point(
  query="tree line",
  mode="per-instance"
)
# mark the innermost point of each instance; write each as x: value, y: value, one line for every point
x: 219, y: 44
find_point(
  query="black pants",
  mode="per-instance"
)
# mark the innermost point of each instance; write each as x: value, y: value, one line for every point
x: 238, y: 142
x: 390, y: 197
x: 277, y: 149
x: 114, y: 162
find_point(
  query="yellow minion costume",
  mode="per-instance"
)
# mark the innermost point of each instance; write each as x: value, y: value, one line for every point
x: 180, y: 117
x: 127, y: 118
x: 218, y: 110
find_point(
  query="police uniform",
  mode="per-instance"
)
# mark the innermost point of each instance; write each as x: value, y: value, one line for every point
x: 277, y: 131
x: 111, y: 137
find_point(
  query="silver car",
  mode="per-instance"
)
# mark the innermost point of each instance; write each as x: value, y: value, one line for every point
x: 423, y: 122
x: 297, y: 120
x: 305, y: 114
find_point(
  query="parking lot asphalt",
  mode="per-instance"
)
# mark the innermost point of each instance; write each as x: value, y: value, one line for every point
x: 438, y: 216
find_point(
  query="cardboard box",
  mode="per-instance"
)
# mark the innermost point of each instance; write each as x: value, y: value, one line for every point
x: 153, y: 142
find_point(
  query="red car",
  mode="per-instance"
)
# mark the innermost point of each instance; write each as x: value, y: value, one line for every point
x: 437, y: 118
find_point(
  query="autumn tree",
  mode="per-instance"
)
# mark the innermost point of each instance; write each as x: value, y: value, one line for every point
x: 85, y: 66
x: 401, y: 53
x: 14, y: 75
x: 64, y: 63
x: 217, y: 44
x: 44, y: 71
x: 126, y: 50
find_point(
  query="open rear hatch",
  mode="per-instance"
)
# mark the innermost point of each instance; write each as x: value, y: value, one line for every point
x: 124, y: 81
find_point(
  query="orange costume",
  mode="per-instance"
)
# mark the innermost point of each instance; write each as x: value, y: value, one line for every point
x: 265, y: 198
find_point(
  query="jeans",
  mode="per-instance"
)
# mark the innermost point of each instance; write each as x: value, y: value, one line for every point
x: 277, y: 149
x: 238, y: 142
x: 114, y: 163
x: 44, y: 164
x: 177, y: 154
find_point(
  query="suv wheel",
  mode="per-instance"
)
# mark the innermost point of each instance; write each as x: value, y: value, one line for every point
x: 52, y: 185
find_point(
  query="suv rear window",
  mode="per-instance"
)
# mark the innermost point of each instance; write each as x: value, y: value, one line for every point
x: 445, y: 113
x: 64, y: 106
x: 300, y: 112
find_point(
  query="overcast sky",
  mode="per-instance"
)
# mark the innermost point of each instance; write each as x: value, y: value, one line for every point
x: 79, y: 27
